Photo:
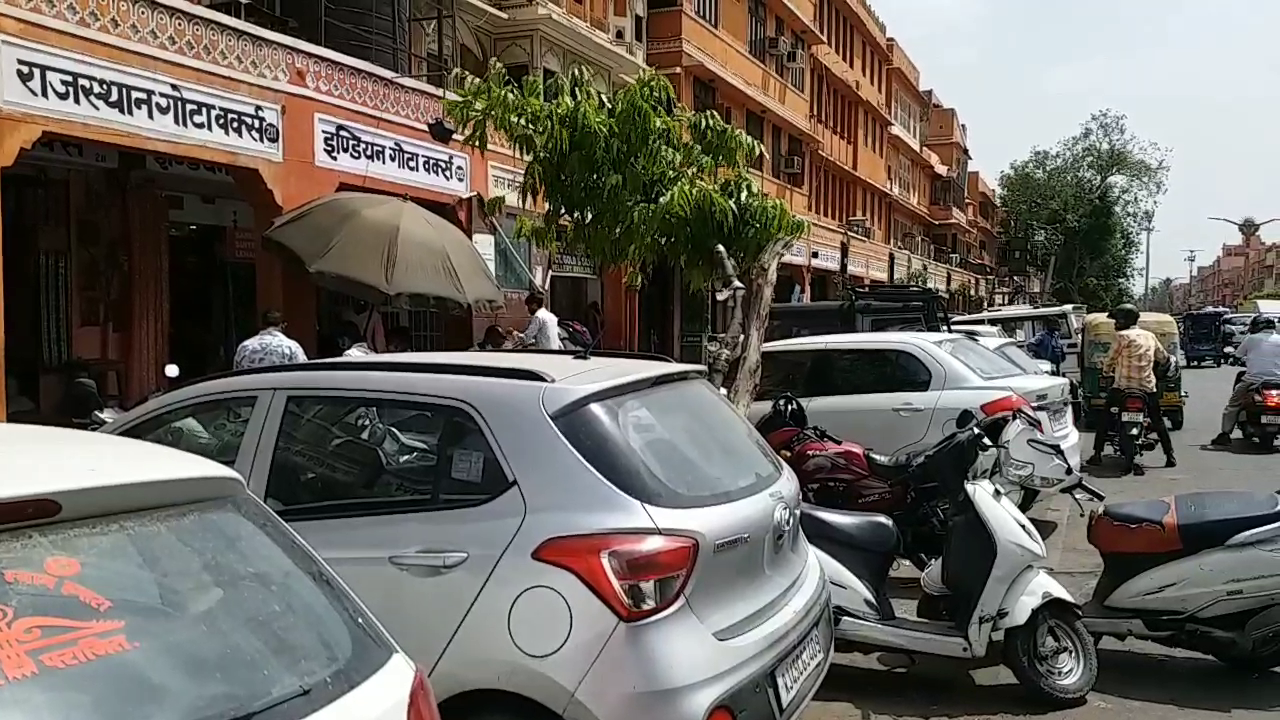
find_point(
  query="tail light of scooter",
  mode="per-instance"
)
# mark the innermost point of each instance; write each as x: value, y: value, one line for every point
x: 1134, y: 404
x: 1270, y: 397
x: 636, y: 575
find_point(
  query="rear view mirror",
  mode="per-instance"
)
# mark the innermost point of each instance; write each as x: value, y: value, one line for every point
x: 966, y: 419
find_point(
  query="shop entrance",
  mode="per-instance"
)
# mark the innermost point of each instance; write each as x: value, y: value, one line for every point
x: 212, y: 299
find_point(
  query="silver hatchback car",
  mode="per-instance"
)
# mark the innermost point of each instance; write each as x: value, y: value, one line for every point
x: 552, y: 536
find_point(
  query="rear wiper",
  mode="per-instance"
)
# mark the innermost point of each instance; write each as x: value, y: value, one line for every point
x: 254, y: 711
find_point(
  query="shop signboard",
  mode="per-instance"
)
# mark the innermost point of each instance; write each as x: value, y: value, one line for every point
x: 52, y: 82
x: 506, y: 181
x: 858, y: 266
x: 168, y: 165
x: 572, y: 265
x: 244, y: 244
x: 73, y: 152
x: 362, y: 150
x: 825, y: 259
x: 877, y: 270
x: 797, y: 254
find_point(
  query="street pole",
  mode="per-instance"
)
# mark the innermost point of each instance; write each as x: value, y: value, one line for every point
x: 1146, y: 272
x: 1191, y: 270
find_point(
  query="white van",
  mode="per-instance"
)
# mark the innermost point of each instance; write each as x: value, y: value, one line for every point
x: 1024, y: 322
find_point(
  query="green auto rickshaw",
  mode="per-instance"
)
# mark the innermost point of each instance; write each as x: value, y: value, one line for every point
x: 1099, y: 333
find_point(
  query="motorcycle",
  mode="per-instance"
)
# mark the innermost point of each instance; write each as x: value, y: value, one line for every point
x: 1198, y: 571
x: 839, y: 474
x: 1131, y: 437
x: 1260, y: 418
x: 986, y: 592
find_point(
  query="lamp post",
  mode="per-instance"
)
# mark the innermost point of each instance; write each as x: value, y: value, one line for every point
x: 1146, y: 271
x: 1191, y: 271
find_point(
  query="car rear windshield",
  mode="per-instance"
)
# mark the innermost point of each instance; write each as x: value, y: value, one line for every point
x: 984, y: 363
x: 1019, y: 357
x: 676, y: 445
x: 200, y: 612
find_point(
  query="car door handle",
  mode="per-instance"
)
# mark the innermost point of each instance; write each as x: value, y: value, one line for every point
x: 433, y: 560
x: 908, y: 408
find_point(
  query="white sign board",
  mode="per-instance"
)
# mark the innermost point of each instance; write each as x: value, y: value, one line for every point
x: 360, y: 150
x: 506, y: 181
x: 46, y: 81
x: 825, y: 259
x: 797, y: 254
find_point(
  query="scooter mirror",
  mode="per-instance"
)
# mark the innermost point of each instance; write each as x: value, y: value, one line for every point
x: 965, y: 419
x: 170, y: 371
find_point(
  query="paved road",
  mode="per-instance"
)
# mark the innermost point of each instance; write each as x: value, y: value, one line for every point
x: 1136, y: 679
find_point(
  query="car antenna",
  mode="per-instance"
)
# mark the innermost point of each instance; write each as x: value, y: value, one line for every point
x: 595, y: 342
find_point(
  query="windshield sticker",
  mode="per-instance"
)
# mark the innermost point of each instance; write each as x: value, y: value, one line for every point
x: 29, y: 643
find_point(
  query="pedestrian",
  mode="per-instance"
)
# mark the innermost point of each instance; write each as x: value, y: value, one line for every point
x: 1047, y: 345
x: 399, y: 339
x: 351, y: 341
x: 1131, y: 363
x: 270, y: 346
x: 493, y: 339
x: 543, y: 330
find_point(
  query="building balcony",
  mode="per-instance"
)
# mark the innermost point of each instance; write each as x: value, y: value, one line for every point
x: 946, y: 214
x: 796, y: 197
x: 904, y: 141
x: 851, y: 79
x: 870, y: 23
x: 587, y: 28
x: 905, y: 199
x: 678, y: 38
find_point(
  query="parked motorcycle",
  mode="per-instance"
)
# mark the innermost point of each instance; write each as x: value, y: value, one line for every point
x: 1260, y: 418
x: 987, y: 591
x: 843, y: 475
x: 1198, y: 571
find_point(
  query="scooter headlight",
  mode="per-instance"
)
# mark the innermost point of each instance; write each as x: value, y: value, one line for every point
x: 1015, y: 470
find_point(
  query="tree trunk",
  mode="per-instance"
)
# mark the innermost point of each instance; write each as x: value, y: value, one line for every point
x: 762, y: 276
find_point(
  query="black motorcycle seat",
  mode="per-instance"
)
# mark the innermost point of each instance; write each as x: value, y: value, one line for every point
x: 1188, y: 523
x: 868, y: 531
x: 889, y: 467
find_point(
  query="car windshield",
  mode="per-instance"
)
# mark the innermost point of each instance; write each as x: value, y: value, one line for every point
x: 1019, y: 357
x: 984, y: 363
x: 198, y: 612
x: 677, y: 444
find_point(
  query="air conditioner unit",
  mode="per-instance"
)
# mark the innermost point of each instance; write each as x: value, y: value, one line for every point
x: 777, y: 45
x: 792, y: 165
x: 793, y: 59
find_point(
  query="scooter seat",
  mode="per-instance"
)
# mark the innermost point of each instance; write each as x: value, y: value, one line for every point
x: 868, y: 531
x: 1182, y: 524
x: 889, y: 467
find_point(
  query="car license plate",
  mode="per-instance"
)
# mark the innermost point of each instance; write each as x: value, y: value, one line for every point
x: 1058, y: 420
x: 803, y: 662
x: 1172, y: 396
x: 1132, y: 417
x: 1270, y: 419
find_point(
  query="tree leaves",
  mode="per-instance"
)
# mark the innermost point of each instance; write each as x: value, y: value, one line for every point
x: 631, y: 179
x: 1085, y: 205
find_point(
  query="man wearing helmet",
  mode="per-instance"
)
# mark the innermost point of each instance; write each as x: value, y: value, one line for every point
x: 1261, y: 354
x: 1131, y: 363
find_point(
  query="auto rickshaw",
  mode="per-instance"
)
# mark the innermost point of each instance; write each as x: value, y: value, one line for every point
x: 1202, y: 336
x: 1099, y: 335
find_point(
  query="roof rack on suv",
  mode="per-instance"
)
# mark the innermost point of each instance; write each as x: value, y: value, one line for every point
x: 622, y: 354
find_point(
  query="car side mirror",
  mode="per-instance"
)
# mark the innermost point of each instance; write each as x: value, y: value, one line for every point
x: 966, y: 419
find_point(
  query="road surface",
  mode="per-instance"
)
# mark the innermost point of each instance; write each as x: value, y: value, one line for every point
x: 1136, y: 680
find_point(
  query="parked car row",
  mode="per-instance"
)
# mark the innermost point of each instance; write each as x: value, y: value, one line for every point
x: 531, y: 527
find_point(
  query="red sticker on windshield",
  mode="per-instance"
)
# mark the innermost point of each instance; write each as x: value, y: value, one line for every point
x: 30, y: 643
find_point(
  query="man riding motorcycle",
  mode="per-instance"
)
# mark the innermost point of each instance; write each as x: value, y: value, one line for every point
x: 1260, y: 351
x: 1131, y: 363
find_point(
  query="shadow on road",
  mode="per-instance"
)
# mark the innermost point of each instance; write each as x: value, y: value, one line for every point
x: 940, y: 688
x: 1240, y: 446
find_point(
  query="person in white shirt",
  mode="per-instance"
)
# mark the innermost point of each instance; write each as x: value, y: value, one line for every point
x: 543, y: 330
x: 352, y: 341
x: 269, y: 347
x: 1261, y: 354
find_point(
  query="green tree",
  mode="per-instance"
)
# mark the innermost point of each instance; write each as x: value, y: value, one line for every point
x: 635, y: 180
x: 1085, y: 205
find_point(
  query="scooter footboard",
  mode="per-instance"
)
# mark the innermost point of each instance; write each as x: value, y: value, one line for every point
x: 1028, y: 592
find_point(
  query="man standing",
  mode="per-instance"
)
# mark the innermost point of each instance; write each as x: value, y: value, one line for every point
x: 543, y: 330
x: 1131, y: 363
x: 270, y: 346
x: 1261, y: 354
x: 1047, y: 345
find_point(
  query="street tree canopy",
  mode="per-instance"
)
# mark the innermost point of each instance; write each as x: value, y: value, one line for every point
x: 1085, y: 205
x: 635, y: 180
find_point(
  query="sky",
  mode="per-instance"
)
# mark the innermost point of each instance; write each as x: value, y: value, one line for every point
x: 1197, y: 77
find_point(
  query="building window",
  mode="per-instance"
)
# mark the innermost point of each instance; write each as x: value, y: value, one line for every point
x: 779, y: 31
x: 795, y: 148
x: 757, y: 30
x: 754, y: 125
x: 704, y: 95
x: 775, y: 145
x: 511, y: 262
x: 796, y: 78
x: 708, y: 10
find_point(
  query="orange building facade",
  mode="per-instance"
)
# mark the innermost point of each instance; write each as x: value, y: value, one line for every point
x: 145, y: 146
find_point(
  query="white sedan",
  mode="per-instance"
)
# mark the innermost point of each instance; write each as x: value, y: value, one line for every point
x: 901, y: 391
x: 146, y: 583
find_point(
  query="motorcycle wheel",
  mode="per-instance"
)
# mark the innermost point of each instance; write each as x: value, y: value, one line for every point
x: 1053, y: 656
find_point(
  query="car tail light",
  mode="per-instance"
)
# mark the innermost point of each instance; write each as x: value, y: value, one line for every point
x: 636, y: 575
x: 721, y: 713
x: 422, y: 702
x: 1271, y: 398
x: 1007, y: 405
x: 25, y: 511
x: 1134, y: 404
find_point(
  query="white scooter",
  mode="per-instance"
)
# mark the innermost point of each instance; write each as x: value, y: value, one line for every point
x: 1198, y: 571
x: 986, y: 589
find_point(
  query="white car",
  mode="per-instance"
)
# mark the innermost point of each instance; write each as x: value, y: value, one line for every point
x: 900, y: 391
x: 146, y: 583
x: 987, y: 331
x: 1013, y: 351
